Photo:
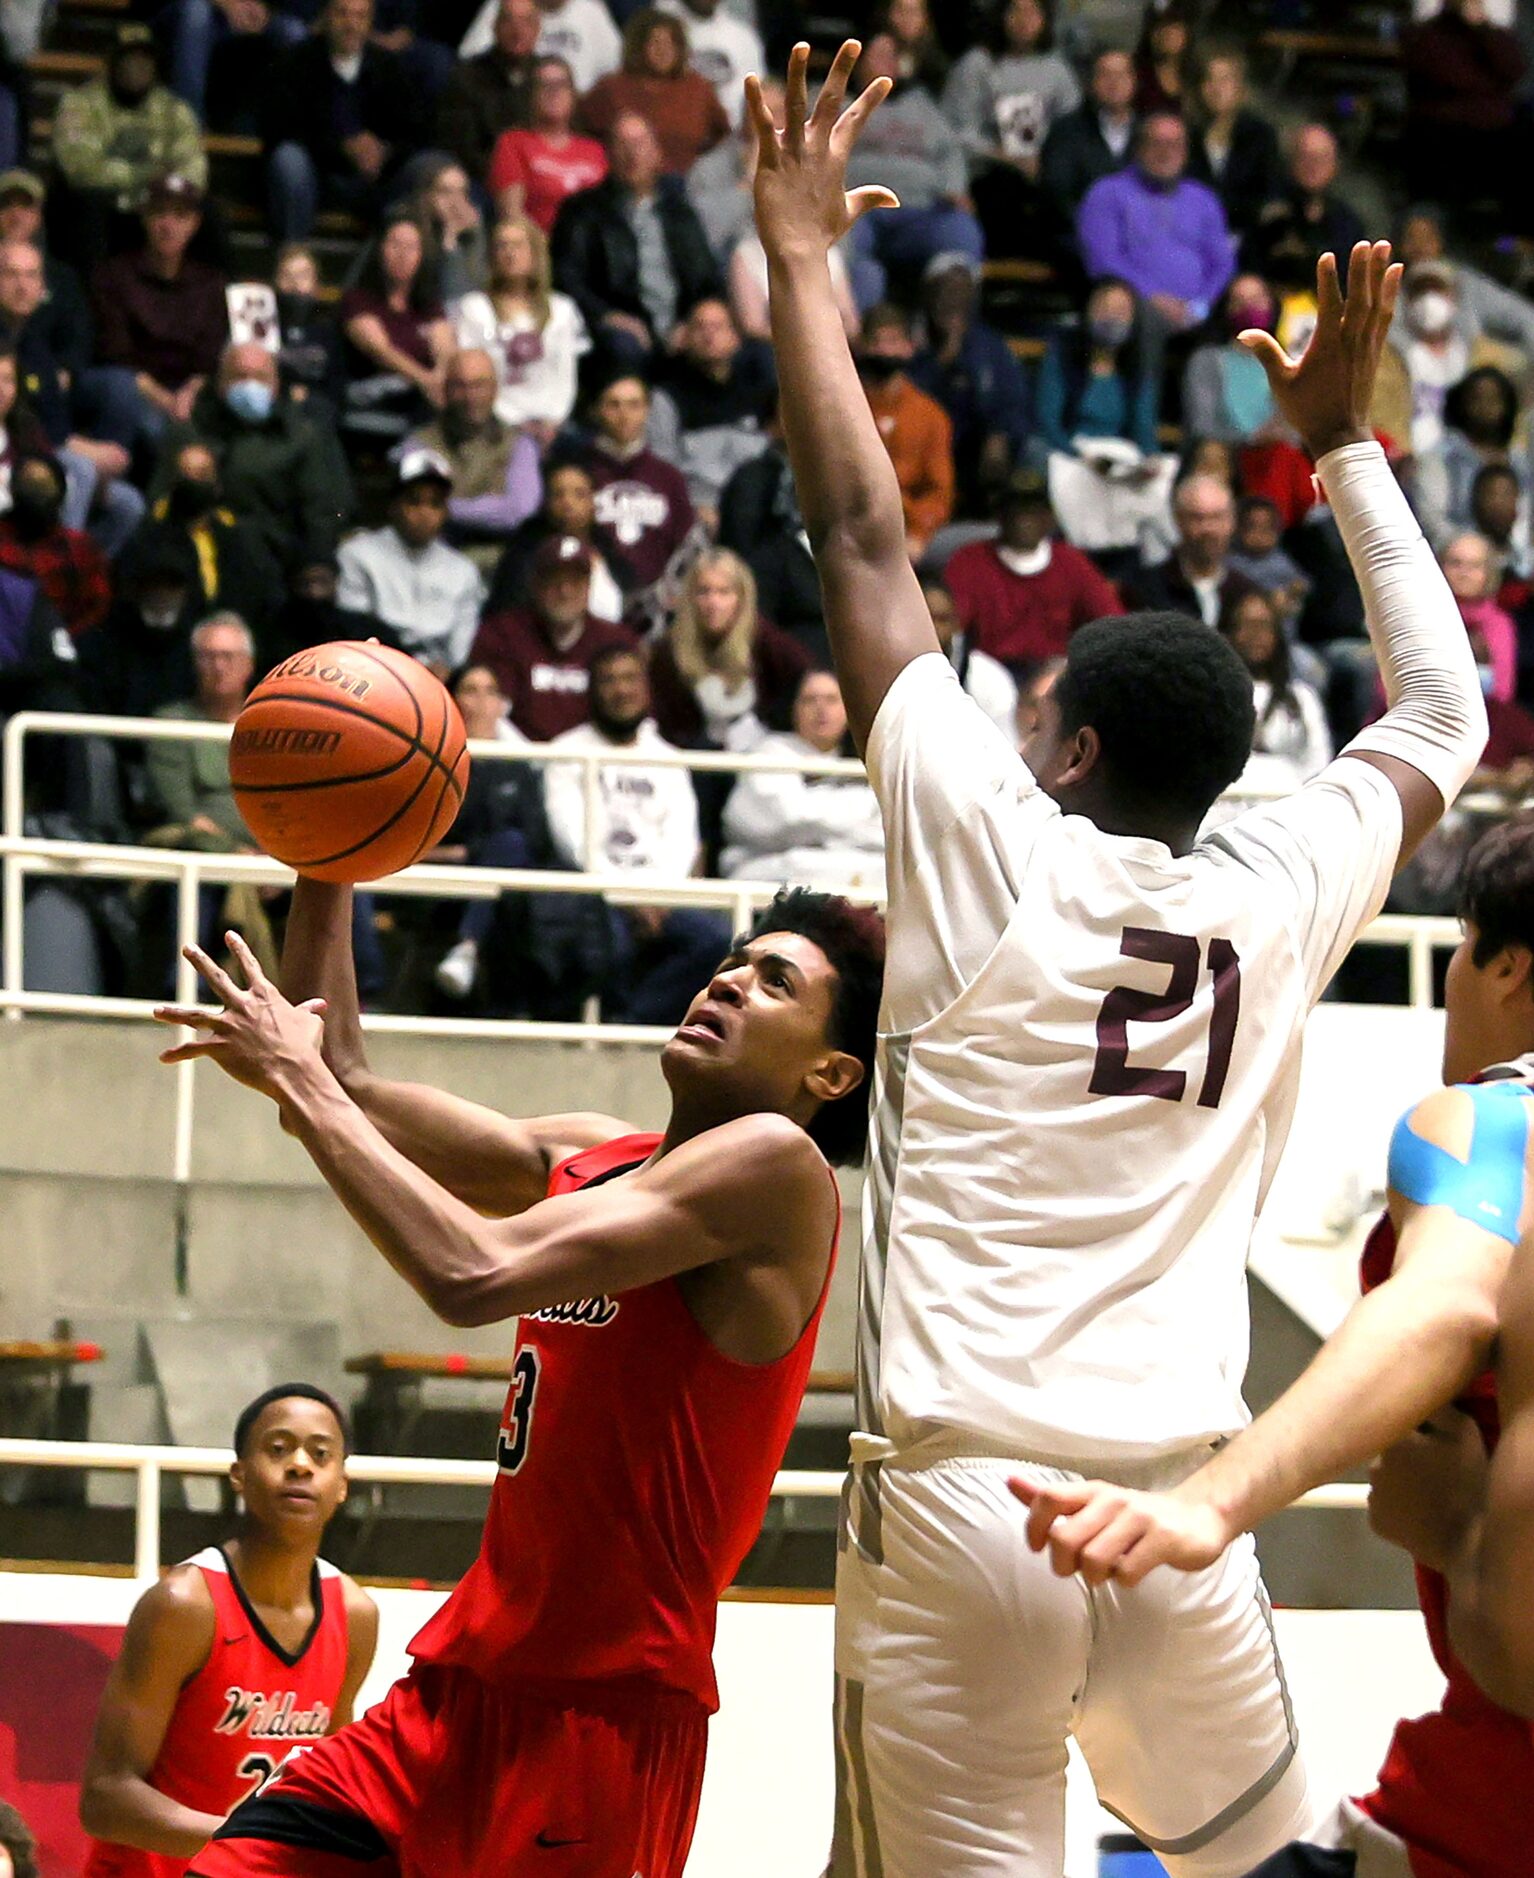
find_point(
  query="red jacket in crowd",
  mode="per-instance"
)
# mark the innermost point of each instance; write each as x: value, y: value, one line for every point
x: 1024, y: 618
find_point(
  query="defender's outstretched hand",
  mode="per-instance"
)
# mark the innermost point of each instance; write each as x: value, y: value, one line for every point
x: 1103, y: 1531
x: 803, y: 206
x: 1327, y: 394
x: 258, y: 1035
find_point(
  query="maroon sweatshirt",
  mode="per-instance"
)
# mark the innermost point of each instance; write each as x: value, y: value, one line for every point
x: 643, y: 510
x: 547, y: 690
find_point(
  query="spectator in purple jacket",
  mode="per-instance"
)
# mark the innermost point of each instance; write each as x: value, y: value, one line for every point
x: 1153, y: 226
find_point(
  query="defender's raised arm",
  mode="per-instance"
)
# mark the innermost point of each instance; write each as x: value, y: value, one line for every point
x: 848, y: 494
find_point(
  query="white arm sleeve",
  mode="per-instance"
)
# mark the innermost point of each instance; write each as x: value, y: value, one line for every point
x: 1436, y: 719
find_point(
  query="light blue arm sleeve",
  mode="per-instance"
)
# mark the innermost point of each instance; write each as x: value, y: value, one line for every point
x: 1486, y: 1189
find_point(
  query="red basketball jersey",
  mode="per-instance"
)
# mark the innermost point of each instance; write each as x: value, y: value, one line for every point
x: 242, y: 1712
x: 1455, y: 1785
x: 636, y: 1463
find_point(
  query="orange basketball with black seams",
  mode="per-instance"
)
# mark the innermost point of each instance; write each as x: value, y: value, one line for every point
x: 349, y: 761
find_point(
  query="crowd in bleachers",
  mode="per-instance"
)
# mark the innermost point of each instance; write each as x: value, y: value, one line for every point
x: 481, y: 368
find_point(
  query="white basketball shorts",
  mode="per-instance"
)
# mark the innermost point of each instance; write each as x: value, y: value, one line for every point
x: 964, y: 1664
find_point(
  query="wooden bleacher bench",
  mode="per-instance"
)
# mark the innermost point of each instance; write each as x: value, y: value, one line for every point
x: 1296, y: 44
x: 1019, y: 273
x: 33, y: 1375
x: 1023, y: 346
x: 80, y: 65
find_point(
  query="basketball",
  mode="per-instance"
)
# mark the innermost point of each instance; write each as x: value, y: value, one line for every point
x: 349, y: 761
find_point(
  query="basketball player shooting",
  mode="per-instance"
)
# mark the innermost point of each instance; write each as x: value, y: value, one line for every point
x: 669, y: 1288
x: 1088, y: 1058
x: 235, y: 1656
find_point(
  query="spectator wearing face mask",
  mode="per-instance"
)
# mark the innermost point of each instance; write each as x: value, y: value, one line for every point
x: 71, y: 570
x: 310, y: 615
x: 1022, y: 596
x: 1482, y: 305
x: 308, y: 353
x: 1227, y: 399
x: 114, y: 135
x: 914, y: 427
x: 1438, y: 353
x: 226, y: 562
x: 280, y: 469
x: 140, y: 657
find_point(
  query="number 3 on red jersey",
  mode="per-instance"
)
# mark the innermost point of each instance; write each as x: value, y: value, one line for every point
x: 517, y: 1427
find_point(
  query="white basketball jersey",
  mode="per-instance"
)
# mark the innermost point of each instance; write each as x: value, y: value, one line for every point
x: 1087, y: 1070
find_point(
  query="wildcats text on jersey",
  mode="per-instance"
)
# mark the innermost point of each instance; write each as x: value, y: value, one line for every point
x: 593, y: 1311
x: 272, y: 1717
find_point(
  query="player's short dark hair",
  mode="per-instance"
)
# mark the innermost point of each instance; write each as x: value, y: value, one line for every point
x: 852, y: 938
x: 1496, y: 889
x: 1172, y: 706
x: 16, y: 1838
x: 280, y: 1392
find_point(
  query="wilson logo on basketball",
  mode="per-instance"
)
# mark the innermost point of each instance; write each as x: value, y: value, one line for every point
x: 305, y: 665
x: 284, y: 742
x: 271, y: 1717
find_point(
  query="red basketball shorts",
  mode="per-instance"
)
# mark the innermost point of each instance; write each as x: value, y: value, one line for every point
x: 449, y: 1777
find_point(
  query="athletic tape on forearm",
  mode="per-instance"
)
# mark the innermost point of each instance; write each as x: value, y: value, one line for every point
x: 1436, y: 719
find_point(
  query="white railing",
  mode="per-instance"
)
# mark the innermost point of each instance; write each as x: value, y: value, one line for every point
x: 24, y: 857
x: 149, y: 1465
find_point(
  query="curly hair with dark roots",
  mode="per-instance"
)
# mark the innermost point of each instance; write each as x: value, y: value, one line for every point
x: 1172, y: 706
x: 852, y: 938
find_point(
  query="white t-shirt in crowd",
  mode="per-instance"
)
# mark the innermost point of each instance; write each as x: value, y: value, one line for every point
x: 1088, y: 1060
x: 815, y: 831
x: 537, y: 369
x: 723, y: 49
x: 581, y: 32
x: 646, y: 819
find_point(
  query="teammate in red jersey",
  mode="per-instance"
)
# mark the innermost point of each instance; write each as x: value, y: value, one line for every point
x: 235, y: 1656
x: 669, y: 1288
x: 1422, y: 1367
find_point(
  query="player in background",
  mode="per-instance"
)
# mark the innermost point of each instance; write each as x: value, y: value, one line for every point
x: 236, y: 1656
x: 1441, y: 1323
x: 669, y: 1288
x: 1088, y: 1061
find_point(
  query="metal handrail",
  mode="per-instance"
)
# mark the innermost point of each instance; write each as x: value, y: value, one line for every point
x: 150, y: 1463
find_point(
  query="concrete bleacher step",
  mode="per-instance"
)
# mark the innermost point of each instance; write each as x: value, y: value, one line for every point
x: 132, y: 1412
x: 209, y: 1366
